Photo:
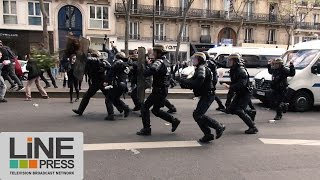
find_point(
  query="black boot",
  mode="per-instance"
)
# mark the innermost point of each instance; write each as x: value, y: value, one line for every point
x: 144, y: 132
x: 221, y: 108
x: 110, y: 117
x: 252, y: 114
x: 252, y: 130
x: 77, y: 112
x: 172, y: 110
x: 207, y: 138
x: 175, y: 124
x: 126, y: 111
x: 278, y: 117
x: 219, y: 131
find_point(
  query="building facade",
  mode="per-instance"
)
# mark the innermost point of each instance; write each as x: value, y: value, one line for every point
x: 21, y: 22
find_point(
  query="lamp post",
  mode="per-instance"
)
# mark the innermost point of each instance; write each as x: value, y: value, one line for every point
x: 153, y: 24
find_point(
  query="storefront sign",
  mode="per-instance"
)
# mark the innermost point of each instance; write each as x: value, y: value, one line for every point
x: 8, y: 35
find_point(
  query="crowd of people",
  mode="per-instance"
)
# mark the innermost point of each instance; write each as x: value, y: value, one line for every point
x: 111, y: 77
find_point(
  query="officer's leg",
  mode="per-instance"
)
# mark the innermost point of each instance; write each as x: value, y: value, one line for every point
x: 119, y: 104
x: 162, y: 114
x: 71, y: 84
x: 135, y: 99
x: 170, y: 106
x: 145, y: 114
x: 86, y: 98
x: 109, y: 103
x: 277, y: 104
x: 219, y: 102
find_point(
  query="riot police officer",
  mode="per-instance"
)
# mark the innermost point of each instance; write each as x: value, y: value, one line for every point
x: 117, y: 81
x: 279, y: 84
x: 241, y: 89
x: 202, y: 85
x: 96, y: 69
x: 212, y: 65
x: 160, y: 70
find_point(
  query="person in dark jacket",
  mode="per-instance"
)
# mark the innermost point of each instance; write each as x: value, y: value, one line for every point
x: 34, y: 77
x: 96, y: 68
x: 9, y: 73
x: 160, y: 70
x: 117, y: 78
x: 212, y: 65
x: 3, y: 87
x: 203, y: 87
x: 279, y: 84
x: 72, y: 80
x: 111, y: 52
x: 241, y: 88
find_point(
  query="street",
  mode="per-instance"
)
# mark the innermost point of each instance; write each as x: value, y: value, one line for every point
x: 267, y: 155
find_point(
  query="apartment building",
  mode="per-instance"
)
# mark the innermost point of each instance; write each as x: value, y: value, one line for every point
x: 208, y: 22
x: 21, y: 22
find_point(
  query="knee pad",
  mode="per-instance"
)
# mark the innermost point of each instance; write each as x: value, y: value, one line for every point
x: 155, y: 112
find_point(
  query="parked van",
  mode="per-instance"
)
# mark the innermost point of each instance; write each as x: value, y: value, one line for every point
x: 304, y: 87
x: 256, y: 59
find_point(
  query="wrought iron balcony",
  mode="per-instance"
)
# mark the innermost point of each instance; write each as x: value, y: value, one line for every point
x: 308, y: 26
x: 271, y: 42
x: 184, y: 39
x: 174, y: 12
x: 160, y: 38
x: 249, y: 41
x: 134, y: 36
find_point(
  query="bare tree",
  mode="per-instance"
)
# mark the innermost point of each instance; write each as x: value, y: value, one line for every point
x: 127, y: 7
x: 45, y: 26
x: 182, y: 27
x: 239, y: 13
x: 291, y: 17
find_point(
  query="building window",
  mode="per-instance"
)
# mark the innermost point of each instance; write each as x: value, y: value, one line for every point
x: 316, y: 19
x: 160, y: 33
x: 159, y: 6
x: 34, y: 12
x: 272, y: 37
x: 205, y: 31
x: 134, y: 30
x: 134, y: 6
x: 248, y: 35
x: 10, y: 12
x: 301, y: 18
x: 296, y: 39
x: 185, y: 33
x: 99, y: 17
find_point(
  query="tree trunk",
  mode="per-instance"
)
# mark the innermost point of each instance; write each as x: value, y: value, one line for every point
x: 183, y: 23
x: 127, y: 6
x: 288, y: 30
x: 45, y: 26
x: 238, y: 31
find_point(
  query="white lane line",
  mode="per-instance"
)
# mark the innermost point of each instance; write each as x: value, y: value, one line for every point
x: 140, y: 145
x: 300, y: 142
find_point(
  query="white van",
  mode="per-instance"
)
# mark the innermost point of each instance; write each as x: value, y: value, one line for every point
x: 304, y: 87
x: 256, y: 59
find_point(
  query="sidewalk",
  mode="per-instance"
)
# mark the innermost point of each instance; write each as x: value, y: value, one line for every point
x: 60, y: 92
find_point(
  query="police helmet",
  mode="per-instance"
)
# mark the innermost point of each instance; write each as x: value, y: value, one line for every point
x: 160, y: 48
x: 236, y: 56
x: 277, y: 61
x: 201, y: 56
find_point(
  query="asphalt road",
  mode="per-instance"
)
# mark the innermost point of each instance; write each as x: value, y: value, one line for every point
x: 235, y: 156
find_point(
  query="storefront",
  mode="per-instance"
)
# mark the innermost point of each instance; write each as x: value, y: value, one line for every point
x: 22, y: 41
x: 170, y: 47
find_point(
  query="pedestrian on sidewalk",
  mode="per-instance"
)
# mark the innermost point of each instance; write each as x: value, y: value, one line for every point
x: 3, y: 87
x: 203, y: 87
x: 34, y: 77
x: 10, y: 68
x: 72, y: 80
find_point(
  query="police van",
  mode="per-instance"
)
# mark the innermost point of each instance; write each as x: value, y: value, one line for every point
x: 304, y: 87
x: 255, y: 59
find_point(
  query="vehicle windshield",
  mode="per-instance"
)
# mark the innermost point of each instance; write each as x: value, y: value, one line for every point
x: 300, y: 58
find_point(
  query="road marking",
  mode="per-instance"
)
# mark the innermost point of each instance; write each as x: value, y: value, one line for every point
x: 300, y: 142
x: 140, y: 145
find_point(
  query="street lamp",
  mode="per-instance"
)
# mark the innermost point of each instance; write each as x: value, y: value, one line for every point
x: 153, y: 24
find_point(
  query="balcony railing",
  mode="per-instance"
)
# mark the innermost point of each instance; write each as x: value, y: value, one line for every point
x: 271, y: 42
x: 249, y: 41
x: 160, y: 38
x: 147, y: 10
x: 184, y: 39
x: 308, y: 26
x: 134, y: 36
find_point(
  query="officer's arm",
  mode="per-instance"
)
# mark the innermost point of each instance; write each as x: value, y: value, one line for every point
x: 195, y: 83
x: 270, y: 70
x: 155, y: 67
x: 291, y: 71
x: 243, y: 80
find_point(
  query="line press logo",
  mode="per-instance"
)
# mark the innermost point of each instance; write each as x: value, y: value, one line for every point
x: 39, y: 155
